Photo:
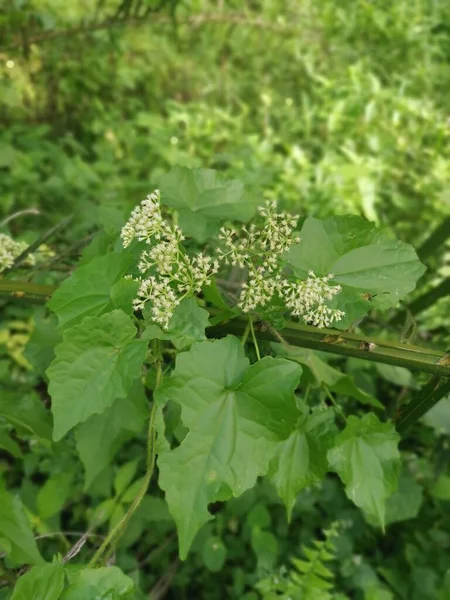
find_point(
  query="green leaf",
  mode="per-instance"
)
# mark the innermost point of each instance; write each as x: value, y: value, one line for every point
x: 318, y: 372
x: 374, y: 270
x: 102, y: 435
x: 366, y: 458
x: 186, y: 326
x: 265, y: 546
x: 125, y: 476
x: 54, y: 494
x: 95, y: 289
x: 398, y: 376
x: 405, y: 502
x: 43, y: 582
x: 439, y: 417
x: 236, y: 414
x: 259, y: 516
x: 204, y: 200
x: 301, y: 459
x: 15, y: 528
x: 441, y: 488
x: 25, y: 411
x: 40, y: 349
x: 105, y: 583
x: 214, y: 554
x: 97, y: 362
x: 8, y: 444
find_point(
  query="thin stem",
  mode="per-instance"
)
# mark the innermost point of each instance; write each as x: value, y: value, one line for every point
x: 114, y: 535
x: 20, y: 213
x: 334, y: 403
x: 307, y: 392
x: 344, y: 343
x: 245, y: 334
x: 255, y: 341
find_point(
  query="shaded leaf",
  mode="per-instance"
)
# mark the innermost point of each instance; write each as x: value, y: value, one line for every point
x: 439, y: 417
x: 54, y: 494
x: 204, y: 200
x: 214, y: 554
x: 301, y: 459
x: 105, y: 583
x: 15, y: 528
x: 97, y: 362
x: 102, y: 435
x: 25, y: 411
x: 95, y: 289
x: 398, y: 376
x: 366, y: 459
x: 318, y: 372
x: 8, y: 444
x: 43, y: 582
x: 186, y: 326
x: 405, y: 502
x: 40, y: 350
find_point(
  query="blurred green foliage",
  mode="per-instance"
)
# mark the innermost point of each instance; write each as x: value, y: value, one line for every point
x: 330, y: 108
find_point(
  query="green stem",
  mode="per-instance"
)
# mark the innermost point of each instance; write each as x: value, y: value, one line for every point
x: 429, y: 396
x: 334, y: 403
x: 344, y: 343
x: 245, y: 334
x: 114, y: 535
x: 255, y: 341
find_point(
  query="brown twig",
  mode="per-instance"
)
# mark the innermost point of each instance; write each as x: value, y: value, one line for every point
x: 161, y: 587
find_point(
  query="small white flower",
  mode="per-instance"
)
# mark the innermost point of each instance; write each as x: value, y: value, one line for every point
x: 169, y: 274
x: 10, y: 250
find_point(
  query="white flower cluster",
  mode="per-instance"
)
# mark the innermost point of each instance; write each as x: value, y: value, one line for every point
x: 307, y: 300
x: 10, y: 250
x: 260, y: 251
x: 168, y: 274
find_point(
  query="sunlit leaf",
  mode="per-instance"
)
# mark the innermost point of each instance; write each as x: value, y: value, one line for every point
x: 236, y: 414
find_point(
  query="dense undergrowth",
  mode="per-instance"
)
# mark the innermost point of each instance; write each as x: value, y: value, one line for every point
x: 339, y: 113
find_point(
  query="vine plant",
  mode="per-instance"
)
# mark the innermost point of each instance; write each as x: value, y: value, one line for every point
x: 212, y: 304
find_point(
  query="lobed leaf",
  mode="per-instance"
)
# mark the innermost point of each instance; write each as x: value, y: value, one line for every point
x: 373, y: 270
x: 94, y: 289
x: 301, y: 459
x: 367, y: 460
x: 101, y: 436
x: 204, y: 200
x: 43, y: 582
x: 97, y: 362
x: 236, y: 414
x: 14, y: 528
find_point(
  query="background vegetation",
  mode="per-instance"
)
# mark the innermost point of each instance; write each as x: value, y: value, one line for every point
x: 329, y: 108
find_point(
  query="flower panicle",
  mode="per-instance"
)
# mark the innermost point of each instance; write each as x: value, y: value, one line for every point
x: 168, y: 274
x: 10, y: 250
x: 260, y: 252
